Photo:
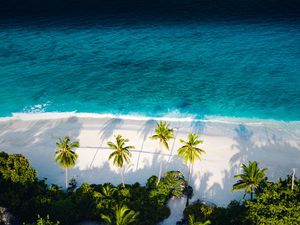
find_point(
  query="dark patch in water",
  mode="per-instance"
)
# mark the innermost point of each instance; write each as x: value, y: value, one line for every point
x: 69, y: 10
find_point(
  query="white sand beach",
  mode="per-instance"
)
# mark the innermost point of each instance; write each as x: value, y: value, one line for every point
x: 228, y: 144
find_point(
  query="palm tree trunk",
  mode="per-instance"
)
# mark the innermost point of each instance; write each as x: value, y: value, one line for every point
x: 66, y: 178
x: 251, y: 194
x: 188, y: 183
x: 122, y: 177
x: 189, y: 174
x: 159, y: 175
x: 293, y: 178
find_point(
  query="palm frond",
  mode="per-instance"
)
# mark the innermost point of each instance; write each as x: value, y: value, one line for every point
x: 189, y: 152
x: 163, y: 133
x: 64, y: 155
x: 250, y: 179
x: 121, y: 152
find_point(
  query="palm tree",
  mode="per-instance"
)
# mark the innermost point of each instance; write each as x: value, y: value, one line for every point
x: 65, y: 156
x: 120, y: 154
x: 189, y: 152
x: 191, y: 221
x: 162, y: 133
x: 108, y: 191
x: 250, y: 179
x: 123, y: 216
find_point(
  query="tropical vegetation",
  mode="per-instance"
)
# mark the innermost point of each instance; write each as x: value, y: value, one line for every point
x: 32, y: 197
x: 163, y: 133
x: 121, y: 153
x: 25, y: 198
x: 250, y: 179
x: 65, y: 156
x: 123, y: 216
x: 190, y: 152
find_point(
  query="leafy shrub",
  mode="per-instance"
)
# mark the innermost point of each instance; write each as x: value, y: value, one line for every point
x: 276, y: 204
x: 233, y: 214
x: 26, y: 196
x: 16, y: 169
x: 199, y: 210
x: 42, y: 221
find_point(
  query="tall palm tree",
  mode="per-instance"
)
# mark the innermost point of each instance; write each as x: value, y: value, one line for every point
x: 189, y: 152
x: 162, y: 133
x: 250, y: 179
x: 123, y: 216
x: 65, y: 156
x: 120, y: 154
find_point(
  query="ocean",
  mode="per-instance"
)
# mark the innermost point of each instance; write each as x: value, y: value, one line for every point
x: 172, y: 59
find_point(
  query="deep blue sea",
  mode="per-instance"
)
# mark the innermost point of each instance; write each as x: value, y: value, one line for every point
x: 202, y: 60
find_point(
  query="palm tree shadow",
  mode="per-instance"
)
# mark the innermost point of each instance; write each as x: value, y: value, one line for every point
x: 36, y: 141
x: 109, y: 127
x: 243, y: 132
x: 106, y: 132
x: 244, y: 145
x: 267, y: 147
x: 172, y: 148
x: 198, y: 127
x: 145, y: 132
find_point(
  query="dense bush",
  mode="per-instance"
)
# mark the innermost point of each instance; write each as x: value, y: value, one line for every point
x: 26, y: 196
x: 233, y: 214
x: 276, y: 204
x: 44, y: 221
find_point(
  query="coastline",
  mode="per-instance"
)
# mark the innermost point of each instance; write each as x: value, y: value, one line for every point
x: 170, y: 117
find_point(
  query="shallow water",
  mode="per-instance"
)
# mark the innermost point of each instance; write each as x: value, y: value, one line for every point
x: 236, y: 67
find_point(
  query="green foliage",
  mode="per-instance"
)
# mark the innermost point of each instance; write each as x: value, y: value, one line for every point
x: 16, y: 169
x: 25, y: 196
x: 251, y: 178
x: 191, y: 221
x: 189, y: 152
x: 18, y: 183
x: 172, y: 184
x: 88, y: 202
x: 199, y: 211
x: 276, y: 204
x: 65, y: 156
x: 46, y: 221
x: 234, y: 214
x: 163, y: 133
x: 121, y: 152
x: 175, y: 183
x: 123, y: 216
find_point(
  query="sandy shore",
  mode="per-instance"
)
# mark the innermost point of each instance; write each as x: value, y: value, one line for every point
x: 228, y: 144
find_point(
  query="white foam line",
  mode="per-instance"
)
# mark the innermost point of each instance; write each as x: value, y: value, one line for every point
x: 211, y: 119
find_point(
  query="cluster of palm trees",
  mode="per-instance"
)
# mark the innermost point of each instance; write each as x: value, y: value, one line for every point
x: 65, y: 156
x: 249, y: 180
x: 189, y: 152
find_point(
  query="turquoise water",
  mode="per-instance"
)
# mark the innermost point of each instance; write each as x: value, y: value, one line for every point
x: 239, y: 67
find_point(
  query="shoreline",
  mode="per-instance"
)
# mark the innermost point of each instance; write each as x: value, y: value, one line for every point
x: 139, y: 117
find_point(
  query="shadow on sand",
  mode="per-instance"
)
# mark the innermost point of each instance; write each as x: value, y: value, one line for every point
x: 36, y: 140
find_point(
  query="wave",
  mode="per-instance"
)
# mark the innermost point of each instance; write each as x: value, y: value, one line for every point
x: 170, y: 117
